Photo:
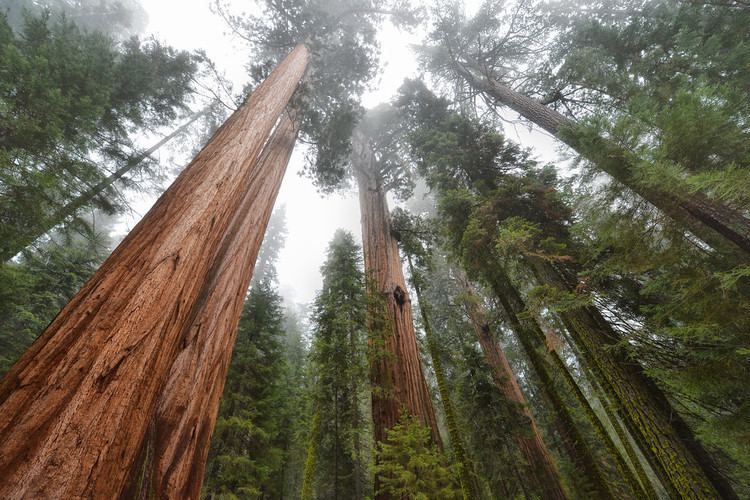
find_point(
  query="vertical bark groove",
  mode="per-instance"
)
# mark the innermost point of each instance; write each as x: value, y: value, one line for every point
x: 399, y: 371
x: 75, y: 408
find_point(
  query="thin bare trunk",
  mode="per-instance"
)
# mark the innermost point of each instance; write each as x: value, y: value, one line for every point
x: 395, y: 370
x: 74, y: 410
x: 85, y: 198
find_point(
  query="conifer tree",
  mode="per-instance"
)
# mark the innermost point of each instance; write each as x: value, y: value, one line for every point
x: 338, y: 440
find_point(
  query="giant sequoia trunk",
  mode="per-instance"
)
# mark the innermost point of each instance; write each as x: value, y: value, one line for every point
x: 175, y: 452
x: 665, y: 439
x: 395, y: 368
x: 9, y: 250
x: 718, y: 225
x: 74, y: 410
x: 541, y: 473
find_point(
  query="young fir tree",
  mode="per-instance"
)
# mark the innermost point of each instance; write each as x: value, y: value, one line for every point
x: 339, y: 440
x: 248, y: 448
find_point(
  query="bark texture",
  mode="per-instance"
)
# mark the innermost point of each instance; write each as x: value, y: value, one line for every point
x: 665, y: 439
x: 719, y: 225
x: 189, y: 404
x: 549, y: 368
x: 543, y: 472
x: 395, y: 368
x: 74, y: 410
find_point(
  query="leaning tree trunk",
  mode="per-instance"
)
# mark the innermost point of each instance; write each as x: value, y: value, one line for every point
x: 74, y: 410
x: 84, y: 199
x: 395, y: 368
x: 665, y: 439
x: 548, y: 366
x: 469, y: 485
x: 174, y: 454
x: 544, y: 476
x: 718, y: 225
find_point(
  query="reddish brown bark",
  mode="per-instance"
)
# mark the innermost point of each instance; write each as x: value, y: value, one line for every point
x: 542, y: 467
x: 75, y: 408
x: 176, y: 453
x: 395, y: 369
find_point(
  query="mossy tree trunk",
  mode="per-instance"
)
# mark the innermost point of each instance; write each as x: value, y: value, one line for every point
x: 682, y: 463
x: 541, y: 474
x: 75, y: 409
x: 469, y: 484
x: 719, y: 225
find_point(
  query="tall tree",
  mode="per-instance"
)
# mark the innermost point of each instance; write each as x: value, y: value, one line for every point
x: 396, y: 370
x: 338, y: 356
x: 685, y: 465
x: 174, y: 453
x: 485, y: 54
x: 159, y: 274
x: 72, y: 104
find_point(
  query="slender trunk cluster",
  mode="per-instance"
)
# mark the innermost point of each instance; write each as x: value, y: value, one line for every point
x: 468, y: 482
x: 395, y: 369
x: 541, y: 470
x: 718, y: 225
x: 76, y: 408
x: 548, y: 368
x: 684, y: 466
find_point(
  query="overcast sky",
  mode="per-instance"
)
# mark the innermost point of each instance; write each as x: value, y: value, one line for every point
x: 311, y: 218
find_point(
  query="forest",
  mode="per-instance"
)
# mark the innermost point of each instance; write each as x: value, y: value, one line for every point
x: 545, y: 295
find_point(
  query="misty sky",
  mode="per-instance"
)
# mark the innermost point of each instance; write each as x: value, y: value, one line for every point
x: 311, y: 218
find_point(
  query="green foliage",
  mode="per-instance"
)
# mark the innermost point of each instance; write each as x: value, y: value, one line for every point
x: 253, y: 432
x: 410, y: 467
x: 340, y: 441
x: 69, y: 102
x: 34, y: 289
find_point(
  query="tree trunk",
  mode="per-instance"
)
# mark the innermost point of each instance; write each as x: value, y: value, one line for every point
x: 719, y: 225
x: 82, y: 200
x: 469, y: 484
x: 544, y: 473
x: 310, y: 461
x: 395, y: 369
x: 665, y: 439
x: 189, y: 403
x: 74, y: 410
x: 532, y: 338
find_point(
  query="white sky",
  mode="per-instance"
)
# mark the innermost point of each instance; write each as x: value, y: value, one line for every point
x: 311, y: 219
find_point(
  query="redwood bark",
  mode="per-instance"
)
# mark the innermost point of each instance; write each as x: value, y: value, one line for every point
x: 396, y: 370
x: 189, y: 404
x: 719, y: 225
x: 74, y: 410
x: 684, y: 465
x: 543, y: 471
